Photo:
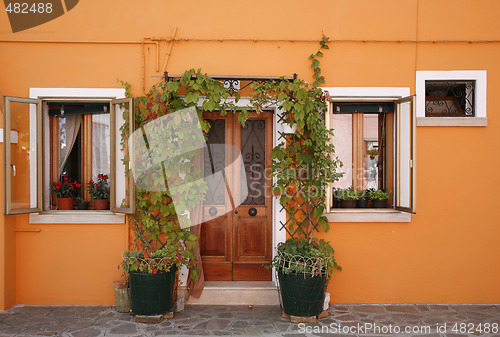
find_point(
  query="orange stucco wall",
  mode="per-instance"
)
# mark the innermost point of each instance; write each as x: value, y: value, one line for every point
x: 448, y: 253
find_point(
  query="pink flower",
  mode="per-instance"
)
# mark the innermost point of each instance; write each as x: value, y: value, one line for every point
x: 155, y: 271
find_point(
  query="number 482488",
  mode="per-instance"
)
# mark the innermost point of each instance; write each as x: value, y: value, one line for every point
x: 471, y: 328
x: 24, y: 8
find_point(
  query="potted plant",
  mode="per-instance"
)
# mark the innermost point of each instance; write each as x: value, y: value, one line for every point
x: 152, y: 278
x: 379, y: 198
x: 304, y: 268
x: 363, y: 199
x: 303, y: 165
x: 162, y: 246
x: 99, y: 191
x: 348, y: 198
x: 81, y: 204
x: 65, y: 191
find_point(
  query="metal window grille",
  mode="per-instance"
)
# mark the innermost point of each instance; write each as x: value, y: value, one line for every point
x: 449, y: 98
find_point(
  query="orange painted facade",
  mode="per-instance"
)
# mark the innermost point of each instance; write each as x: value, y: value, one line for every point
x: 449, y: 251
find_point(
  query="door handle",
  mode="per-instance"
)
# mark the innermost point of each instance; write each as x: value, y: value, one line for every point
x: 14, y: 169
x: 252, y: 211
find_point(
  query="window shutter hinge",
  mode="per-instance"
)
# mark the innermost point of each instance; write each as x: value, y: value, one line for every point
x: 411, y: 163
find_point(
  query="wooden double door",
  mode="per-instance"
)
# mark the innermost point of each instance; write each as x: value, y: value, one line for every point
x: 236, y: 235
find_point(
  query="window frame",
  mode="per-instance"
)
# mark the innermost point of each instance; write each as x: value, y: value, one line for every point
x: 40, y: 96
x: 371, y: 94
x: 411, y: 208
x: 36, y: 189
x: 86, y: 145
x: 114, y: 145
x: 480, y: 79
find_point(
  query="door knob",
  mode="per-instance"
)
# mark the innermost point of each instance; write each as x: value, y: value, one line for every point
x: 252, y: 211
x: 236, y: 211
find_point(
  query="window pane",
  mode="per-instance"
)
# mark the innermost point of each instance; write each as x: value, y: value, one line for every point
x: 122, y: 193
x: 342, y: 139
x: 70, y: 148
x: 404, y: 155
x: 371, y: 157
x: 22, y: 178
x: 215, y: 161
x: 449, y: 98
x: 253, y: 145
x: 100, y: 145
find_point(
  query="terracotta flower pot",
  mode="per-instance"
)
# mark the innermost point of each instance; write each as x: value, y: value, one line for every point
x: 65, y: 203
x: 100, y: 204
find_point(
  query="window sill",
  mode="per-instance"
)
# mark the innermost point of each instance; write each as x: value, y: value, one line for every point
x: 76, y: 217
x: 452, y: 121
x: 368, y: 215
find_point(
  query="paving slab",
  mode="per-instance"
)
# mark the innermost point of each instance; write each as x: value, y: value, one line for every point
x: 353, y: 320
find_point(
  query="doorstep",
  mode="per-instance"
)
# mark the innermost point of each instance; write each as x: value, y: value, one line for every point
x: 236, y: 293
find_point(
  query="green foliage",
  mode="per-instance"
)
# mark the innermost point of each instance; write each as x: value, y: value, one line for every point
x: 378, y: 195
x: 156, y: 219
x: 318, y: 78
x: 307, y: 161
x: 302, y: 166
x: 348, y: 194
x: 99, y: 189
x: 298, y: 255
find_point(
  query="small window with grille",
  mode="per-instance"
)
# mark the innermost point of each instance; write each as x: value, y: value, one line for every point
x: 449, y: 98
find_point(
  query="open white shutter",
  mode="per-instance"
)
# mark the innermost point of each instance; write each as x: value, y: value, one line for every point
x: 122, y: 193
x: 329, y: 187
x: 22, y: 139
x: 405, y: 155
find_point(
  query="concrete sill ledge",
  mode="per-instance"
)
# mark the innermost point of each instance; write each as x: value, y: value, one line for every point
x: 237, y: 293
x: 452, y: 121
x: 368, y: 215
x: 76, y: 217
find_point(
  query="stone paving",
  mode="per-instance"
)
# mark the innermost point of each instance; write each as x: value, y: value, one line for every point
x: 421, y: 320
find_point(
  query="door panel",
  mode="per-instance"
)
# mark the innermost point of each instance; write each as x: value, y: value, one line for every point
x: 216, y: 231
x: 245, y: 232
x: 251, y: 237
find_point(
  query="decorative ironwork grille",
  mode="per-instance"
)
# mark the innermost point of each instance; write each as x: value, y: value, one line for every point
x: 253, y: 144
x: 215, y: 161
x: 449, y: 98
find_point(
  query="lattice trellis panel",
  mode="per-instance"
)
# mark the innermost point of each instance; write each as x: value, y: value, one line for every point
x: 299, y: 211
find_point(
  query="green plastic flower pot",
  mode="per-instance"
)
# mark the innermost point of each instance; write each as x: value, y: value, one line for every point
x: 302, y: 295
x: 152, y: 294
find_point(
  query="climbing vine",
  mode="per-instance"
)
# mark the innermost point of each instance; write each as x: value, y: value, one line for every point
x: 306, y: 162
x: 156, y: 222
x: 303, y: 165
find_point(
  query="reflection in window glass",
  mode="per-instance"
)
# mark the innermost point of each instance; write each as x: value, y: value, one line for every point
x: 100, y: 144
x: 342, y: 126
